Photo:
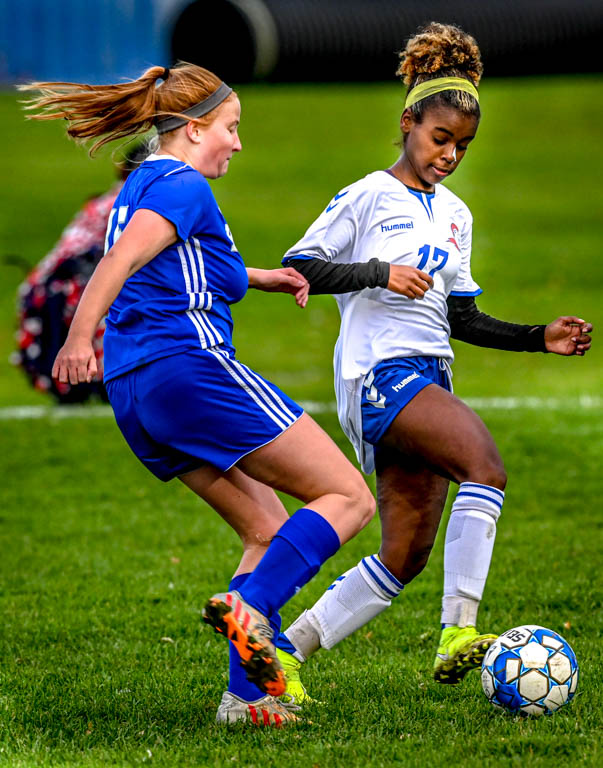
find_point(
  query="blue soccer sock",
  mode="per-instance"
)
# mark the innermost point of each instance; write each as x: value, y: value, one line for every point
x: 238, y: 682
x: 295, y: 554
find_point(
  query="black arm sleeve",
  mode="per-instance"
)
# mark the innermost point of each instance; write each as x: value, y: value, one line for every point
x: 326, y: 277
x: 468, y: 324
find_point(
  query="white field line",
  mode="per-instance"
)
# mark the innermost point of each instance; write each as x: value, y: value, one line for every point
x: 57, y: 412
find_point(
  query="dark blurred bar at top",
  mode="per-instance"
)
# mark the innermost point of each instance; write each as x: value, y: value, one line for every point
x: 100, y: 41
x: 322, y: 40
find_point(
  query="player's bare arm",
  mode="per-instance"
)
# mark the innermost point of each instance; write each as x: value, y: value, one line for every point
x: 284, y: 280
x: 145, y: 236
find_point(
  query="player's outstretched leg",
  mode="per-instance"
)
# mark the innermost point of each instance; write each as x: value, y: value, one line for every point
x: 243, y: 701
x: 341, y: 504
x: 467, y: 554
x: 256, y: 513
x: 251, y: 634
x: 349, y: 603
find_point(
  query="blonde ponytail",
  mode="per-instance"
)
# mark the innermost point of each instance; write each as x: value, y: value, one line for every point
x: 110, y: 112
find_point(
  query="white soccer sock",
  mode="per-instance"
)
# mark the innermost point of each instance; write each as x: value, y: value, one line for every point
x: 468, y: 551
x: 349, y: 603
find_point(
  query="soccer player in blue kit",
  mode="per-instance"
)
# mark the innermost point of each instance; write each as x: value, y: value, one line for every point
x: 186, y: 406
x: 394, y: 248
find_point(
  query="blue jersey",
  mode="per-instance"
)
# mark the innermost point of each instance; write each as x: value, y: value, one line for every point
x: 181, y: 299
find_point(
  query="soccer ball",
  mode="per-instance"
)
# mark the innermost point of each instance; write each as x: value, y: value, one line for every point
x: 530, y: 670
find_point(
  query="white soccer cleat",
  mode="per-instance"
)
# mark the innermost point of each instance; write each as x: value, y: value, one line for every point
x: 265, y: 712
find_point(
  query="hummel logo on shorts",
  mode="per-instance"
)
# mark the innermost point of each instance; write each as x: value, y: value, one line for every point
x: 404, y: 382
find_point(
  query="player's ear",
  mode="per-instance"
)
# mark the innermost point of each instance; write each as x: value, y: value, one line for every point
x: 193, y: 131
x: 406, y: 121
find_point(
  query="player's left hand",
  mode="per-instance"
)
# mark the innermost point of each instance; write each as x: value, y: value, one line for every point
x: 568, y: 336
x: 283, y: 280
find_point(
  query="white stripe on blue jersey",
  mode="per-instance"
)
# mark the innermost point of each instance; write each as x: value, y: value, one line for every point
x: 169, y: 173
x: 213, y: 336
x: 208, y: 336
x: 181, y: 298
x: 200, y: 332
x: 199, y: 254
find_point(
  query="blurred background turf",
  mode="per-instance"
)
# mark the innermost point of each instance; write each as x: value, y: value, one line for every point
x: 532, y: 179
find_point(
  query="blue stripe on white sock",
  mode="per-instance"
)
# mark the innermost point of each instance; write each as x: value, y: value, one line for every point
x: 487, y: 489
x: 387, y: 573
x: 386, y: 590
x: 497, y: 503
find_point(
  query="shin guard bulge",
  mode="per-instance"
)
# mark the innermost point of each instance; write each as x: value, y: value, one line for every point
x: 468, y: 551
x: 349, y: 603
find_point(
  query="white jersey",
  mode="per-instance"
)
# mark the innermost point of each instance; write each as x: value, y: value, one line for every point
x: 378, y: 216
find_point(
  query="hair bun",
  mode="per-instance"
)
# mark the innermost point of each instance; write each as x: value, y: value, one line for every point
x: 440, y: 49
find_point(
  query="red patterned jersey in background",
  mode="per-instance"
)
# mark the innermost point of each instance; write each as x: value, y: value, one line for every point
x: 48, y: 298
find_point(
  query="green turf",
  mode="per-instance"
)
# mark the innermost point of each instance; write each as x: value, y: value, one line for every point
x: 100, y: 562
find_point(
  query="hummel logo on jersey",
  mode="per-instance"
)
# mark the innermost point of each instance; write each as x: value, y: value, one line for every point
x: 337, y: 197
x: 404, y: 382
x: 401, y: 225
x: 454, y: 229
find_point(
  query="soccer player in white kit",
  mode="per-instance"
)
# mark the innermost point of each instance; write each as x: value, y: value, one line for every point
x: 395, y: 249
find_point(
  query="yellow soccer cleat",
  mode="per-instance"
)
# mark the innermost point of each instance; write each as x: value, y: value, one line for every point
x: 296, y: 694
x: 461, y: 649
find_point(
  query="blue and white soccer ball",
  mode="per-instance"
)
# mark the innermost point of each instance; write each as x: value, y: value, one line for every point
x: 530, y: 670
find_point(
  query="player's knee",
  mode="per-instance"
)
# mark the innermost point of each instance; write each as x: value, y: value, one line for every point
x: 487, y: 470
x: 370, y: 506
x: 361, y: 502
x: 494, y: 475
x: 259, y: 538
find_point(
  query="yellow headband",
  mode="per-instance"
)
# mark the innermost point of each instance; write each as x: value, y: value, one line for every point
x: 438, y: 84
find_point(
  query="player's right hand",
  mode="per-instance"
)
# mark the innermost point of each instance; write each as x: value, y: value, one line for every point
x: 409, y: 281
x: 75, y: 363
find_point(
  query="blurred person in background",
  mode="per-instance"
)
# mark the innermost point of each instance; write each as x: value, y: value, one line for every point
x: 48, y: 297
x: 186, y: 406
x: 395, y: 249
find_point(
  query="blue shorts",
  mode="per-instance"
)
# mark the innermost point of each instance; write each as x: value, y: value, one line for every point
x: 197, y: 407
x: 391, y: 385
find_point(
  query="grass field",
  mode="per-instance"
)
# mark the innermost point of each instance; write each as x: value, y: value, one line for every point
x: 103, y: 570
